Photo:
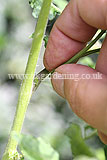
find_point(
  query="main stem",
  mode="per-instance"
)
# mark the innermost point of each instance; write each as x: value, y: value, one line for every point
x: 26, y: 87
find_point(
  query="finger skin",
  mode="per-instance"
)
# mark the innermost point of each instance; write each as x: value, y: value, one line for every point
x: 87, y: 97
x: 103, y: 137
x: 101, y: 65
x: 94, y: 12
x: 61, y: 47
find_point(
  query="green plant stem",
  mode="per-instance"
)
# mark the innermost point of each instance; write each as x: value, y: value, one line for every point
x: 92, y: 52
x: 26, y: 87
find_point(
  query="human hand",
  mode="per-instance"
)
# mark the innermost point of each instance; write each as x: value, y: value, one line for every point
x: 74, y: 28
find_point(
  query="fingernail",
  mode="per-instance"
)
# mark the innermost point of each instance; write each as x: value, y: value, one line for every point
x: 58, y: 83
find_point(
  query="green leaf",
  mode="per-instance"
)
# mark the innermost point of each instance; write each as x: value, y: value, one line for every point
x: 45, y: 40
x: 100, y: 154
x: 105, y: 150
x: 54, y: 12
x: 85, y: 158
x: 61, y: 4
x: 36, y: 6
x: 37, y: 149
x: 78, y: 145
x: 87, y: 61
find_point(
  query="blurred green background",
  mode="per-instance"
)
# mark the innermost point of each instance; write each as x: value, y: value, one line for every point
x: 48, y: 115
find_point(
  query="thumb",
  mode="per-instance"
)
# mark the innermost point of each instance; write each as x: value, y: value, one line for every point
x: 86, y: 91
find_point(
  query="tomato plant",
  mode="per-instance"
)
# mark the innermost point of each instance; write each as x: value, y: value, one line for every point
x: 37, y: 148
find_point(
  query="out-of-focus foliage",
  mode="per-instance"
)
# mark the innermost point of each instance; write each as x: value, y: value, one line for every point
x: 37, y: 148
x: 105, y: 149
x: 87, y: 61
x: 85, y: 158
x: 45, y: 40
x: 61, y: 3
x: 78, y: 145
x: 36, y: 5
